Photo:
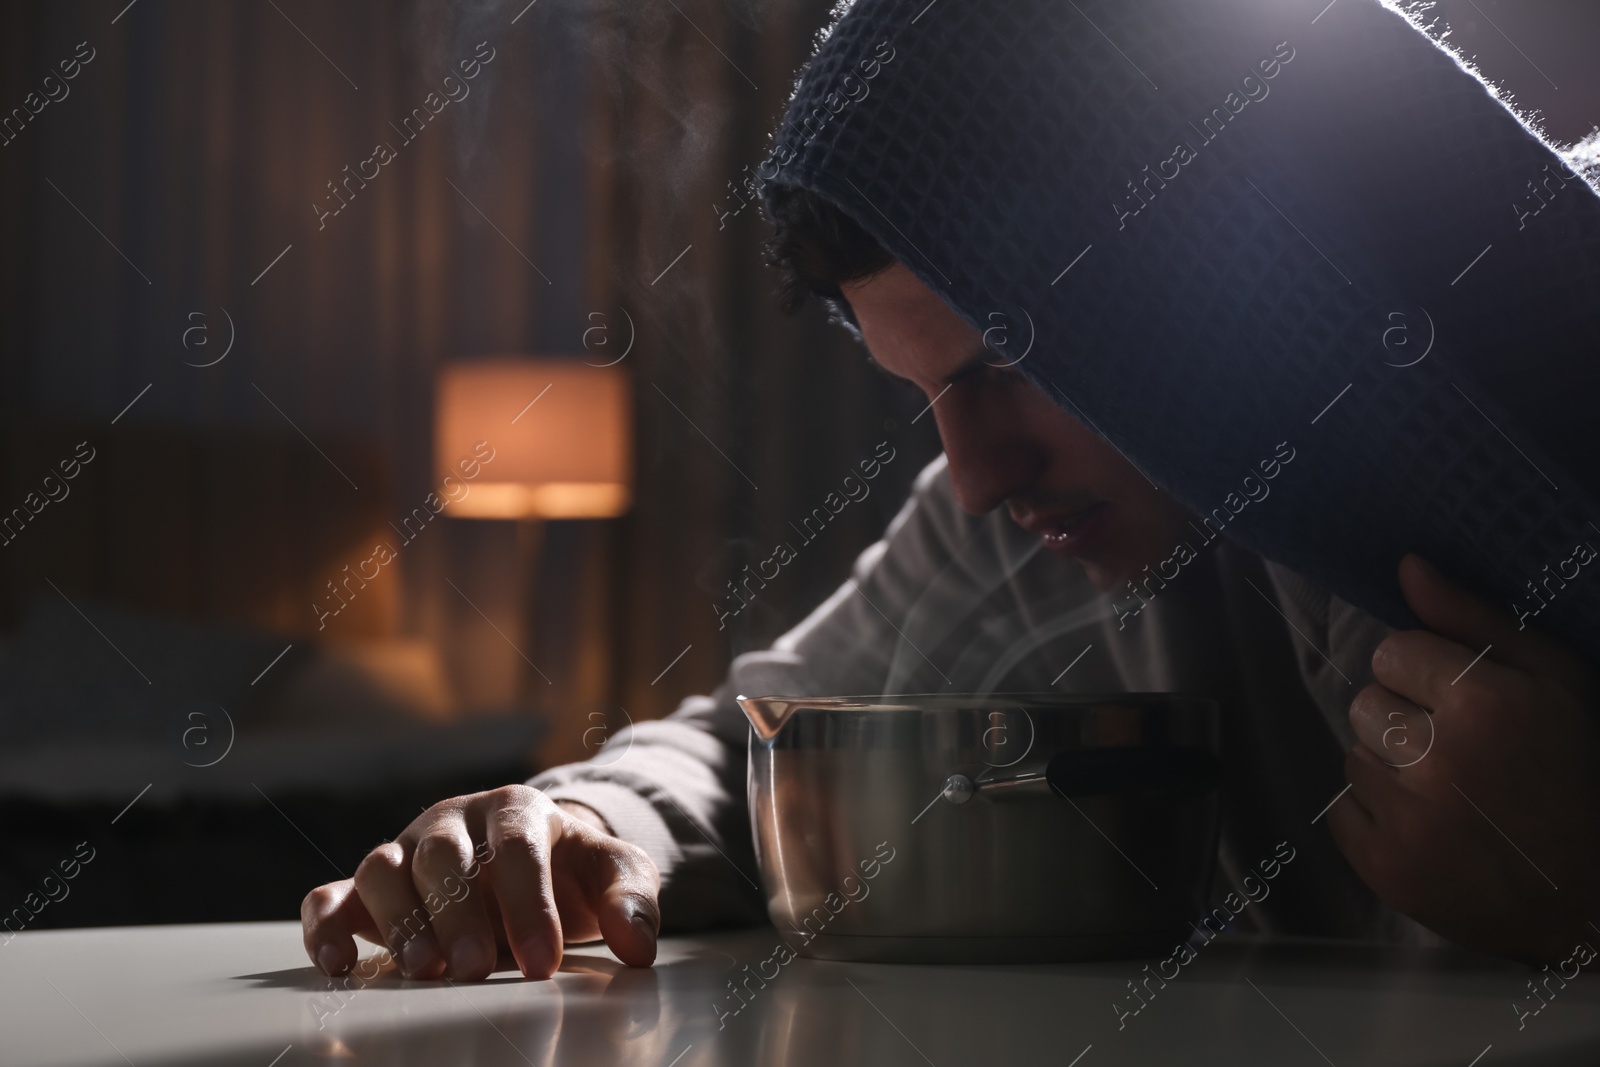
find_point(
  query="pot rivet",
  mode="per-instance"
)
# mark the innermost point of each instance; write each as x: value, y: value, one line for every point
x: 958, y: 789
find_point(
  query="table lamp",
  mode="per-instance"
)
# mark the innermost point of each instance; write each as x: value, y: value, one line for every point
x: 528, y: 439
x: 560, y: 431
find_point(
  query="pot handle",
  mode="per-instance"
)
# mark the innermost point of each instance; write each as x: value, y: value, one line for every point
x: 1180, y: 770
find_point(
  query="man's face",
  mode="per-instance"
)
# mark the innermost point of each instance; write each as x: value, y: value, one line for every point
x: 1008, y: 443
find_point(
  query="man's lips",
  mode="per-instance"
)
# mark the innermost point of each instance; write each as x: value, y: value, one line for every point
x: 1041, y: 522
x: 1069, y: 533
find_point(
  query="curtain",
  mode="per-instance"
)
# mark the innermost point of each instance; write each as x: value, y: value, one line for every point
x: 576, y: 194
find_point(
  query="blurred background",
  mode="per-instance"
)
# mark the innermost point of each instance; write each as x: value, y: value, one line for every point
x: 390, y: 392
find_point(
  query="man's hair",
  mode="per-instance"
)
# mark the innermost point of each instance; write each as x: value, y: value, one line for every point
x: 817, y: 248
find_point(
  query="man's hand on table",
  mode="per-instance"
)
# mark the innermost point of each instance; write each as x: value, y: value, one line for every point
x: 508, y: 867
x: 1491, y: 839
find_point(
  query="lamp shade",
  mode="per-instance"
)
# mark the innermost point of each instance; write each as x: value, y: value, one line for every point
x: 559, y: 433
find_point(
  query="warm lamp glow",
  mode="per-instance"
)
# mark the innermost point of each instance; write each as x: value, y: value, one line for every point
x: 561, y: 433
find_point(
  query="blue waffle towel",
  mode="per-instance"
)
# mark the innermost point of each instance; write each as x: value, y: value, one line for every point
x: 1223, y: 228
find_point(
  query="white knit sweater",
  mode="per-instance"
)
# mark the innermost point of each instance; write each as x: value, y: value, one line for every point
x: 948, y: 602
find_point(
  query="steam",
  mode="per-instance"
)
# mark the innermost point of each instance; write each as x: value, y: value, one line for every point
x: 446, y: 32
x: 979, y: 625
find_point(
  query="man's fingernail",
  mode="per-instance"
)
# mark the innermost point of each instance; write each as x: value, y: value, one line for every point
x: 469, y: 955
x: 328, y: 960
x: 529, y: 952
x: 416, y: 956
x: 642, y: 923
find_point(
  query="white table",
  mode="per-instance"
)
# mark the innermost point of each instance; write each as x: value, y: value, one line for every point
x: 245, y: 995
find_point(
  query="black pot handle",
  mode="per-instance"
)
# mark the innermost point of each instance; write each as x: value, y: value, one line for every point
x: 1180, y: 770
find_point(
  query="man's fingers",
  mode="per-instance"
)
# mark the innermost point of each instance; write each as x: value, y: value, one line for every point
x: 1391, y: 727
x: 1452, y: 612
x: 621, y: 883
x: 439, y: 905
x: 331, y: 917
x: 1449, y: 610
x: 1432, y: 671
x: 444, y: 873
x: 1375, y: 822
x: 519, y: 834
x: 384, y: 882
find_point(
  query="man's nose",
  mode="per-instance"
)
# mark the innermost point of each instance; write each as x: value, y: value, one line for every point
x: 990, y: 453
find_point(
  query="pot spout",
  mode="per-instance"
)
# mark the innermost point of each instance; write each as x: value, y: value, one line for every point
x: 768, y: 714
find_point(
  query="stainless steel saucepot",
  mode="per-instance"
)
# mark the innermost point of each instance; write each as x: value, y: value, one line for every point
x: 998, y: 828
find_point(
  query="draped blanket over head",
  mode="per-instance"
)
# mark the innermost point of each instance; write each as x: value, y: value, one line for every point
x: 1223, y: 232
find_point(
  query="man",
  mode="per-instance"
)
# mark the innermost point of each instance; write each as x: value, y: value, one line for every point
x: 581, y: 851
x: 1035, y: 541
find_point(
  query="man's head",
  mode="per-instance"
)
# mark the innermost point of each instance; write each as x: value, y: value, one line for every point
x: 1006, y: 441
